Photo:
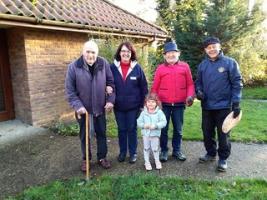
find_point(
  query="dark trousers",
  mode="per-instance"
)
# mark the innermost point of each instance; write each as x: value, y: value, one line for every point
x: 176, y: 113
x: 212, y: 119
x: 127, y: 130
x: 101, y: 139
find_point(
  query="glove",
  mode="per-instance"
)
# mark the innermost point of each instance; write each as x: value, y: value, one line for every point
x: 189, y: 101
x: 200, y: 95
x: 236, y: 109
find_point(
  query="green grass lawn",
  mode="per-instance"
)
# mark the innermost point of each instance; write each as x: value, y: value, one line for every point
x: 148, y: 187
x: 255, y: 93
x: 252, y: 127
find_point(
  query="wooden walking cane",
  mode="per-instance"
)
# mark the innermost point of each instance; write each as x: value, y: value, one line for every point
x: 87, y: 141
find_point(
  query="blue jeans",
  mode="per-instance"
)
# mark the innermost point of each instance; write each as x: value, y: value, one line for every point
x: 176, y: 113
x: 127, y: 130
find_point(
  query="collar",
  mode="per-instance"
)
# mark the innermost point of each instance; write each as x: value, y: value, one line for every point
x: 118, y: 64
x: 168, y: 64
x: 98, y: 63
x: 132, y: 65
x: 155, y: 111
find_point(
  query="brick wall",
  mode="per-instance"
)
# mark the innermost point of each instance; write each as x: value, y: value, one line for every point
x: 19, y: 74
x: 44, y: 56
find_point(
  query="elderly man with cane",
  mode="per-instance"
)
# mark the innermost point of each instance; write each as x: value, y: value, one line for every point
x: 86, y: 83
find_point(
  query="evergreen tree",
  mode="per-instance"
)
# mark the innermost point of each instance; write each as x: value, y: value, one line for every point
x: 166, y: 15
x: 184, y: 22
x: 240, y: 31
x: 189, y: 30
x: 229, y: 20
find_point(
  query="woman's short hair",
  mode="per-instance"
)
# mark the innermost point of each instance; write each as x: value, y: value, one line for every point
x: 130, y: 47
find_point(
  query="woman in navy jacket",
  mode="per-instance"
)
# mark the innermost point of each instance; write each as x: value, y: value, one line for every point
x: 131, y: 89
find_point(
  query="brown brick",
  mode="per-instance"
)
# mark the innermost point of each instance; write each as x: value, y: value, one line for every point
x: 38, y: 61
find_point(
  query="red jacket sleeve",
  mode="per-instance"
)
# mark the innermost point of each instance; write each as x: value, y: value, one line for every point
x: 189, y: 83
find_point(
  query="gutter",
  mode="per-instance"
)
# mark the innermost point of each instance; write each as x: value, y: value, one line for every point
x: 30, y: 22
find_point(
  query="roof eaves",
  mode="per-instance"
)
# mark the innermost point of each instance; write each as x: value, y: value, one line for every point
x: 53, y: 24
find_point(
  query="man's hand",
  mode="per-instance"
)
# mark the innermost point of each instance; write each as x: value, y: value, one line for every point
x: 80, y: 112
x: 236, y: 109
x: 108, y: 107
x: 200, y: 95
x: 189, y: 101
x: 109, y: 90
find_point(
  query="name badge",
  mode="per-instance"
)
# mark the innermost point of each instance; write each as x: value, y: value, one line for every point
x: 132, y: 78
x: 221, y: 69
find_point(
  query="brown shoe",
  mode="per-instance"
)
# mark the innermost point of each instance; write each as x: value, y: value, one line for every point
x: 83, y: 166
x: 104, y: 163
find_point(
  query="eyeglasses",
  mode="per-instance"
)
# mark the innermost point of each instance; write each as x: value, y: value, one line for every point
x: 125, y: 51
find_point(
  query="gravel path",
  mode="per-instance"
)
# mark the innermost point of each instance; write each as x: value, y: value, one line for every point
x: 44, y: 158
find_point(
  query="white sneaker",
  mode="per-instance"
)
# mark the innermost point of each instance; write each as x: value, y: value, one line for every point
x: 158, y: 165
x: 148, y: 166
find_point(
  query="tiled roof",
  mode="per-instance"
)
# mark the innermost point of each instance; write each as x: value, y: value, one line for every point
x: 89, y: 14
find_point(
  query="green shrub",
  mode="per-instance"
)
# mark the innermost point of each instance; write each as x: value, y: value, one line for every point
x: 148, y: 60
x: 65, y: 128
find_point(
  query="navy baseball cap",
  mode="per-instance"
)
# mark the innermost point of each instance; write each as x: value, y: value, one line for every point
x: 170, y: 46
x: 211, y: 40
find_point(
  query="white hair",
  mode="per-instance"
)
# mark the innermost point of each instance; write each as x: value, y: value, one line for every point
x: 90, y: 45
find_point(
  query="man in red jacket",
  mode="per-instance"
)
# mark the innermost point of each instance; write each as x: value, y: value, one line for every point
x: 174, y: 85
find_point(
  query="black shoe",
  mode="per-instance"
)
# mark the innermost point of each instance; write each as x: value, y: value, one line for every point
x: 207, y: 158
x: 163, y: 157
x: 121, y: 157
x: 133, y: 159
x: 222, y: 165
x: 179, y: 155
